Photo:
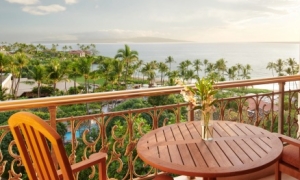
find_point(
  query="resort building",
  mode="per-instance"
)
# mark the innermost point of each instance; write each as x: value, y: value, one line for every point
x: 2, y: 49
x: 80, y: 53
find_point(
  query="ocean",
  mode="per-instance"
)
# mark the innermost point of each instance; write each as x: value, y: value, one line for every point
x: 258, y: 55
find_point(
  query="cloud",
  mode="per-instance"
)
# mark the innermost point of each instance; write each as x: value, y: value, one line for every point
x: 71, y: 1
x: 43, y: 10
x: 24, y: 2
x: 221, y: 14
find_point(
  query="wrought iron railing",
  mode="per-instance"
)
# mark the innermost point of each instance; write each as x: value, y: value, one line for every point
x: 117, y: 132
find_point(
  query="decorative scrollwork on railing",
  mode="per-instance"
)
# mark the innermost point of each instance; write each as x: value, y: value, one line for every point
x: 292, y: 113
x: 3, y: 162
x: 16, y: 161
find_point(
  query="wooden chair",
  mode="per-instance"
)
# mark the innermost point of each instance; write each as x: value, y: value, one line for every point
x: 289, y: 163
x: 32, y: 136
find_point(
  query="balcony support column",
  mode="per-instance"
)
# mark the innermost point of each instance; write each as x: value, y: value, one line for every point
x: 298, y: 133
x: 190, y: 112
x: 281, y: 107
x: 52, y: 112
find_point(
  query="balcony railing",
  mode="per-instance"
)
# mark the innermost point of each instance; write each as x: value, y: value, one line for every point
x: 117, y: 132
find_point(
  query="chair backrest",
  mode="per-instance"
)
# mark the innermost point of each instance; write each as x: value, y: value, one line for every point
x: 32, y: 136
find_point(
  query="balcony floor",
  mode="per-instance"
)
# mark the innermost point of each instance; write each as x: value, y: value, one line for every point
x: 271, y: 177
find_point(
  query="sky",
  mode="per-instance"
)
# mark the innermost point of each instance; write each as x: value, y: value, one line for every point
x: 189, y: 20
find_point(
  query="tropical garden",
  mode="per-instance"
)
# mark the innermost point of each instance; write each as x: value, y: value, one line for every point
x: 48, y: 66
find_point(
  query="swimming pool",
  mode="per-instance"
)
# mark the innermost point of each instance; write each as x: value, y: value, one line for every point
x: 68, y: 136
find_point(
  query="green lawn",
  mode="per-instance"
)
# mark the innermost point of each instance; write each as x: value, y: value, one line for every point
x: 101, y: 81
x: 81, y: 81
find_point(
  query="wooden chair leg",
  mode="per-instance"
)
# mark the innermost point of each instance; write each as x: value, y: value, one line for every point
x: 102, y: 170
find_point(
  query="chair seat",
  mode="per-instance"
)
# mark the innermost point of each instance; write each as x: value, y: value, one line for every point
x: 290, y: 155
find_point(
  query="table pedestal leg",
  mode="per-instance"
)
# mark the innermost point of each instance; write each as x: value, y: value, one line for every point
x: 212, y: 178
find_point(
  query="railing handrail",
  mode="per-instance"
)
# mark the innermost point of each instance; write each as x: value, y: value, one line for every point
x: 125, y: 94
x: 251, y: 82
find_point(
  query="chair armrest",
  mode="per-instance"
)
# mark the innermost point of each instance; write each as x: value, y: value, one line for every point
x: 288, y: 140
x: 94, y: 159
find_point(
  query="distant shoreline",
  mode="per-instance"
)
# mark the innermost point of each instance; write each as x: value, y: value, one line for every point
x: 144, y: 42
x: 116, y: 40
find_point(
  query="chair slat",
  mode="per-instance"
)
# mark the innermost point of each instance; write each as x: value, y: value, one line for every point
x: 42, y: 147
x: 29, y: 139
x: 26, y: 160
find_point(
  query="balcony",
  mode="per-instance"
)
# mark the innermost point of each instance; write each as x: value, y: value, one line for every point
x: 117, y: 132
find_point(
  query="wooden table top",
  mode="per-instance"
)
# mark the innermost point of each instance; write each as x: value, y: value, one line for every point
x: 236, y: 149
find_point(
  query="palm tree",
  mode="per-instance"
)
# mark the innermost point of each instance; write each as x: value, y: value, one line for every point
x: 163, y: 69
x: 105, y: 69
x: 172, y: 75
x: 54, y: 48
x: 210, y: 68
x: 152, y: 74
x: 149, y: 71
x: 40, y: 52
x: 139, y: 69
x: 279, y: 67
x: 205, y: 63
x: 74, y: 73
x: 3, y: 95
x: 292, y: 68
x: 182, y: 68
x: 292, y: 64
x: 94, y: 75
x: 189, y: 75
x: 117, y: 69
x: 20, y: 63
x: 55, y: 72
x: 137, y: 66
x: 31, y: 50
x: 170, y: 60
x: 220, y: 66
x: 288, y: 71
x: 3, y: 64
x: 64, y: 48
x: 66, y: 64
x: 197, y: 65
x: 128, y: 56
x: 271, y: 66
x: 248, y: 69
x: 144, y: 73
x: 239, y: 69
x: 245, y: 73
x: 188, y: 63
x: 38, y: 73
x: 84, y: 69
x: 232, y: 73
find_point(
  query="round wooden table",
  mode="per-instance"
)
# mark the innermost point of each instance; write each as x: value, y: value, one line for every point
x: 236, y: 149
